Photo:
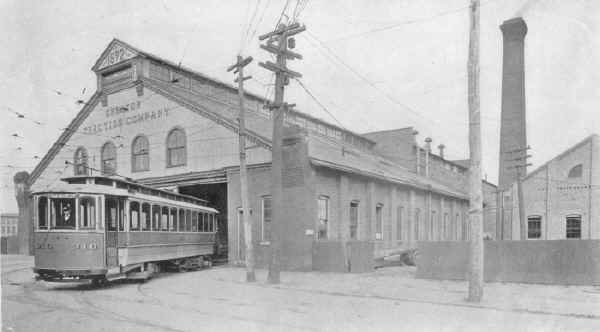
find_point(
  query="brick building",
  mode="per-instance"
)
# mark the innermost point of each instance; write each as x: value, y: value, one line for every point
x: 166, y: 126
x: 562, y: 197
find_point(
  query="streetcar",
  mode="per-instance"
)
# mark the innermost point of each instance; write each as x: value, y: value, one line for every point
x: 102, y: 228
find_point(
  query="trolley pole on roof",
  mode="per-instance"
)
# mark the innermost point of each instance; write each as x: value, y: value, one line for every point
x: 278, y: 42
x: 475, y: 190
x: 238, y: 68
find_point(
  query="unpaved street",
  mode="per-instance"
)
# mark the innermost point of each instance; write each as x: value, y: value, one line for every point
x: 217, y: 300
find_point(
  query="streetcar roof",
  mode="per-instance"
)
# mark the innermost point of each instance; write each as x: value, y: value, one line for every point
x: 125, y: 189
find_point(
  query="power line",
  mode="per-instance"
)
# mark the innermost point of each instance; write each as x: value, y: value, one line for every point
x: 406, y: 22
x: 260, y: 20
x: 319, y: 103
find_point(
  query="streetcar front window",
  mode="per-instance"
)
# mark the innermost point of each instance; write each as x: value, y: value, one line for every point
x: 42, y: 212
x: 87, y: 212
x: 62, y: 213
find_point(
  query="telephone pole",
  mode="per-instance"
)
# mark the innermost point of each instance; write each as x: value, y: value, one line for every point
x: 246, y: 214
x: 475, y: 190
x: 521, y: 167
x: 278, y: 42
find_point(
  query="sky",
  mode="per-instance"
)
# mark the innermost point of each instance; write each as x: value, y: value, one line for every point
x: 371, y: 65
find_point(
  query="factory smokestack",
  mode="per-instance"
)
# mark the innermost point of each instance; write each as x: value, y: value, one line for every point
x: 512, y: 127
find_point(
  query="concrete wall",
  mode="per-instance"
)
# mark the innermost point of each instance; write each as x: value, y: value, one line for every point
x: 343, y: 256
x: 564, y: 262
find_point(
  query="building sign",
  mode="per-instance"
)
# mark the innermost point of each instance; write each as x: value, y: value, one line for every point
x: 125, y: 115
x: 115, y: 55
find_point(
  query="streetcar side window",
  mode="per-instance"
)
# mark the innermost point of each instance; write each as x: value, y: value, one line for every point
x: 181, y: 227
x: 195, y: 221
x: 205, y: 223
x: 200, y: 222
x: 211, y: 222
x: 164, y: 221
x: 87, y: 213
x: 155, y: 218
x: 134, y: 216
x: 122, y: 215
x: 111, y: 207
x: 145, y: 217
x: 173, y: 220
x: 42, y: 212
x: 62, y: 213
x: 188, y: 220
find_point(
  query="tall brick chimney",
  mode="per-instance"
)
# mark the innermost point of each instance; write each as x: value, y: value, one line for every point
x: 513, y: 127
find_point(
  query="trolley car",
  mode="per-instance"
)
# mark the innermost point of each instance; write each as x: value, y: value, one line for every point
x: 102, y: 228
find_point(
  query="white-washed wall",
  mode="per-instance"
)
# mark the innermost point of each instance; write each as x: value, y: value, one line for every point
x: 209, y: 145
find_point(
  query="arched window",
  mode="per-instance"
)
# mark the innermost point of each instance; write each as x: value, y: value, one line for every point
x: 576, y: 171
x: 109, y: 158
x: 80, y: 161
x: 176, y: 148
x: 140, y: 154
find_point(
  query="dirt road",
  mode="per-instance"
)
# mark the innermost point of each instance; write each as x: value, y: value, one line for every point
x: 217, y: 300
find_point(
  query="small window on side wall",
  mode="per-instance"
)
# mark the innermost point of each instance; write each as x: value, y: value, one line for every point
x: 576, y: 171
x: 573, y: 227
x: 323, y: 212
x: 534, y: 227
x: 379, y: 222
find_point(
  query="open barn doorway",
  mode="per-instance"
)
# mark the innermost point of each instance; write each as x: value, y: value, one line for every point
x: 216, y: 195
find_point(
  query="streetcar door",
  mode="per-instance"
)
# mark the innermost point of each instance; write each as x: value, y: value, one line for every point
x: 113, y: 212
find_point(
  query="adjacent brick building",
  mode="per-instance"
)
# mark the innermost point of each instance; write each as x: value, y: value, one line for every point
x: 562, y: 197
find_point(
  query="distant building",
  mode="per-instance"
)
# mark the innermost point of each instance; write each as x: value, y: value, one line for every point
x: 9, y: 223
x: 9, y: 226
x: 562, y: 197
x: 400, y: 146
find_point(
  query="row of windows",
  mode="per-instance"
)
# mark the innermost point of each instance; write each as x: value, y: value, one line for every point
x: 457, y: 229
x: 144, y: 217
x: 59, y: 213
x: 572, y: 227
x: 140, y: 154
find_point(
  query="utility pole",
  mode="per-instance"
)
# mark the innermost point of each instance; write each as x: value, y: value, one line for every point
x: 475, y: 190
x: 246, y: 214
x: 281, y: 36
x: 521, y: 167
